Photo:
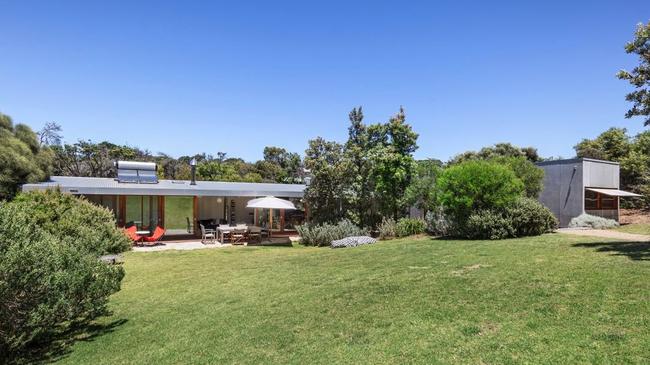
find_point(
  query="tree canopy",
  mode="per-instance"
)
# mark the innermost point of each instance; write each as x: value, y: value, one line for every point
x: 22, y: 159
x: 639, y: 77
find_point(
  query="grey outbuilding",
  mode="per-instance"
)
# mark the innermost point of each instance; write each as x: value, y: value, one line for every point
x: 582, y: 185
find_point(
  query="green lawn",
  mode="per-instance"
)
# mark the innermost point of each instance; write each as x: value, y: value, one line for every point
x: 550, y: 299
x: 638, y: 228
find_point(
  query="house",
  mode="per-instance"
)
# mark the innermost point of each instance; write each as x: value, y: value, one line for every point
x: 582, y: 185
x: 138, y: 197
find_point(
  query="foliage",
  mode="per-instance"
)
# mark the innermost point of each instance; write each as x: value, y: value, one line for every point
x: 497, y: 151
x: 524, y: 217
x: 530, y: 175
x: 633, y: 154
x: 392, y: 163
x: 591, y: 221
x: 612, y: 145
x: 326, y: 195
x: 477, y: 185
x: 22, y: 159
x: 487, y: 224
x: 324, y: 234
x: 438, y: 223
x: 520, y: 160
x: 360, y: 195
x: 50, y: 134
x: 85, y: 158
x: 422, y: 192
x: 530, y: 218
x: 50, y: 277
x: 280, y: 166
x: 387, y: 228
x: 639, y: 77
x: 410, y: 226
x: 74, y: 221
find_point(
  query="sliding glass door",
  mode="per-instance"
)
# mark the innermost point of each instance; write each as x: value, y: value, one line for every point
x: 141, y: 211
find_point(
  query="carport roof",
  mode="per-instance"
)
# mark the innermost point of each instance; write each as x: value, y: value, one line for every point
x: 612, y: 192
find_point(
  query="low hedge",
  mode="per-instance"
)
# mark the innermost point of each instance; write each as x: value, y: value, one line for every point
x: 524, y: 217
x: 410, y: 226
x: 324, y: 234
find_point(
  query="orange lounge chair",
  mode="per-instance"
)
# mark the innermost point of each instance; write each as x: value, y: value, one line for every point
x: 158, y: 233
x: 130, y: 232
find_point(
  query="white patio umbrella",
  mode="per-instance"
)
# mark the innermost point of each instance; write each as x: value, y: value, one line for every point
x: 270, y: 203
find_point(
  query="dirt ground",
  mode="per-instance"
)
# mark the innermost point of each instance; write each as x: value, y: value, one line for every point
x: 629, y: 216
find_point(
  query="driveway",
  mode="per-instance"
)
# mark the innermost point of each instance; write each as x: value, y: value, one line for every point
x: 606, y: 233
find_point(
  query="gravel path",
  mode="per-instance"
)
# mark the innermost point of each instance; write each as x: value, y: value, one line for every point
x: 606, y: 233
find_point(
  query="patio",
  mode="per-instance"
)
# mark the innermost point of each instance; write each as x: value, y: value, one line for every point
x: 195, y: 244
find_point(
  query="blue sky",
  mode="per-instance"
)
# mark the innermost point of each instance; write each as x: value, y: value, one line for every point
x: 188, y: 77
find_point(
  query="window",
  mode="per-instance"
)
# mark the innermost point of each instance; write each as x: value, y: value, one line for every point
x: 142, y: 211
x: 591, y: 200
x: 179, y: 213
x: 598, y: 201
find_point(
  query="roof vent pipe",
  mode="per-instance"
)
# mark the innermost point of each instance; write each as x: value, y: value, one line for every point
x: 193, y: 167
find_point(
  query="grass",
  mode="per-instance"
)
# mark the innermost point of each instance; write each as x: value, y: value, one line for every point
x: 637, y: 228
x: 549, y: 299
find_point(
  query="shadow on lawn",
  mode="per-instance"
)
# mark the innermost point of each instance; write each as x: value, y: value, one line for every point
x: 633, y: 250
x: 60, y: 346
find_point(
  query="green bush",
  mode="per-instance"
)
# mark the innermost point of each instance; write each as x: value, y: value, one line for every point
x: 324, y: 234
x: 410, y: 226
x: 524, y: 217
x: 75, y: 221
x: 475, y: 186
x: 50, y: 281
x: 530, y: 218
x: 487, y: 224
x: 530, y: 175
x: 387, y: 229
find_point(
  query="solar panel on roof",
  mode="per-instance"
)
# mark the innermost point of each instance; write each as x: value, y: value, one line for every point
x: 136, y: 172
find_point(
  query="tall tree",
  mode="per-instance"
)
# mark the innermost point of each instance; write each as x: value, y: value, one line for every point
x: 22, y: 159
x: 361, y: 188
x: 392, y: 162
x: 50, y: 134
x: 639, y: 77
x: 280, y: 166
x: 326, y: 195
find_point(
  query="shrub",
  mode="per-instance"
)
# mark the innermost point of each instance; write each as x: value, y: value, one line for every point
x: 530, y: 175
x: 75, y: 221
x: 387, y: 229
x: 487, y: 224
x: 591, y: 221
x: 410, y: 226
x: 324, y: 234
x: 530, y: 218
x: 438, y: 223
x: 475, y: 186
x: 50, y: 282
x: 524, y: 217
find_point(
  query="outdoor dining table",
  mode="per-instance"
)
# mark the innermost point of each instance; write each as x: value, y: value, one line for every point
x: 222, y: 231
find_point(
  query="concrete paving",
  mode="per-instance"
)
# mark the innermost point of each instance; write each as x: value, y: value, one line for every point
x: 197, y: 245
x: 606, y: 233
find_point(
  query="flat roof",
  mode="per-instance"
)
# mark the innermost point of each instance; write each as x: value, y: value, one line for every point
x: 574, y: 160
x: 110, y: 186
